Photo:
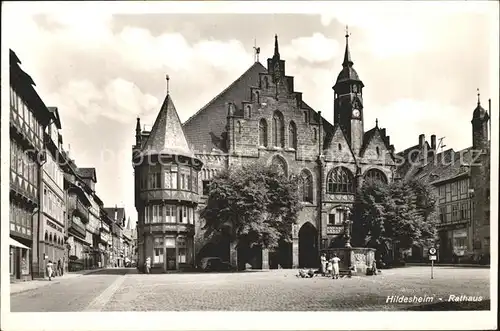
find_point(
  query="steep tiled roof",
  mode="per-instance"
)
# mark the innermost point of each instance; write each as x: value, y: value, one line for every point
x: 167, y: 135
x: 87, y: 173
x: 205, y: 128
x: 444, y: 166
x: 120, y: 214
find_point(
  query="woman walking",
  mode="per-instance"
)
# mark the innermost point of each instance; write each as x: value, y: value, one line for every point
x: 50, y: 269
x: 329, y: 268
x: 335, y: 264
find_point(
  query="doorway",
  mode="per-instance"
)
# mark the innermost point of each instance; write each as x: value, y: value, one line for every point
x: 308, y: 246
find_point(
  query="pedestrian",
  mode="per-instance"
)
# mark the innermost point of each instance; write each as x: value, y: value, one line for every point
x: 335, y: 266
x: 50, y: 270
x: 147, y: 264
x: 59, y: 267
x: 323, y: 264
x: 329, y: 268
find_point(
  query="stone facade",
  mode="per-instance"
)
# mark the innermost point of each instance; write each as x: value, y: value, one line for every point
x: 261, y: 118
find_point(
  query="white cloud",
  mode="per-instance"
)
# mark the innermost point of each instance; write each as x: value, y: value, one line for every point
x: 314, y: 49
x: 419, y: 117
x: 399, y: 28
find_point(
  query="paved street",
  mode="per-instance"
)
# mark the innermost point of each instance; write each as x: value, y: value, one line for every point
x: 125, y: 290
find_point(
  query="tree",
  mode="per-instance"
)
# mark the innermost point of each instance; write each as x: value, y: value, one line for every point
x: 402, y: 213
x: 253, y: 204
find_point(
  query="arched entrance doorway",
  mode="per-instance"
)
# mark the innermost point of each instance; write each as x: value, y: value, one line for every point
x: 308, y: 246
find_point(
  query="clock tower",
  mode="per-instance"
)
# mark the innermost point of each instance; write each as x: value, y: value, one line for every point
x: 348, y: 102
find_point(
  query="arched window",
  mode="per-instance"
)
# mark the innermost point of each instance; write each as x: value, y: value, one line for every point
x: 46, y: 236
x: 263, y: 133
x: 340, y: 180
x: 278, y: 130
x: 315, y: 134
x: 378, y: 151
x: 305, y: 186
x: 292, y: 135
x: 50, y: 238
x: 305, y: 116
x: 249, y: 111
x: 340, y: 147
x: 376, y: 175
x: 239, y: 127
x: 257, y: 96
x: 280, y: 165
x: 266, y: 82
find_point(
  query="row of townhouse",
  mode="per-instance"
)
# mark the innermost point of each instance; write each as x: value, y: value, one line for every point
x: 55, y: 212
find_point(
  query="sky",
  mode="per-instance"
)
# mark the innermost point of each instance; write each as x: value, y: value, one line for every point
x: 104, y: 64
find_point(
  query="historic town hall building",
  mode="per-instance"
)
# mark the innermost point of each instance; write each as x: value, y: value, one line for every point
x: 260, y: 117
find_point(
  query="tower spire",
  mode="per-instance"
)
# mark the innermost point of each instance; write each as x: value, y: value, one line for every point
x: 168, y: 84
x: 276, y: 47
x: 347, y: 54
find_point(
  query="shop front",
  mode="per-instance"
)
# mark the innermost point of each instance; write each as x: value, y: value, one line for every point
x: 170, y: 251
x: 19, y: 260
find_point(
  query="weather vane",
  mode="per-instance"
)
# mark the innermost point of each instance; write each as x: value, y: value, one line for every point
x: 478, y: 96
x: 168, y: 83
x: 347, y: 34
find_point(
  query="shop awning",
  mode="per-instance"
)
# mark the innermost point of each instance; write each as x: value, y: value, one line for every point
x: 15, y: 243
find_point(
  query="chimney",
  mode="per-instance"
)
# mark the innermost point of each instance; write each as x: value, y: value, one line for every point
x: 116, y: 212
x: 421, y: 141
x: 433, y: 142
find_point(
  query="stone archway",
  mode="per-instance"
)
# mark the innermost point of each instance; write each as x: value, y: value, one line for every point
x: 308, y: 246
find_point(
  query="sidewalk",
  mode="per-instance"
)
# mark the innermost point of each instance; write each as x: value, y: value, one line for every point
x: 19, y: 287
x: 464, y: 265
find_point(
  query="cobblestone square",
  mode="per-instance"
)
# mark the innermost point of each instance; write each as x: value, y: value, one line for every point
x: 277, y: 290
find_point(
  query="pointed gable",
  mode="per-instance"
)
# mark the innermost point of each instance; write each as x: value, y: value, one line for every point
x: 204, y: 130
x: 376, y: 145
x: 337, y: 146
x: 167, y: 135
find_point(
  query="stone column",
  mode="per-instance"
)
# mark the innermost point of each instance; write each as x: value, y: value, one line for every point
x: 295, y: 253
x: 233, y: 254
x: 265, y: 258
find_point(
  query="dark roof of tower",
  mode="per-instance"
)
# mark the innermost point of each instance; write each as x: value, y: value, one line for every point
x: 479, y: 112
x: 120, y: 213
x: 167, y: 135
x: 348, y: 73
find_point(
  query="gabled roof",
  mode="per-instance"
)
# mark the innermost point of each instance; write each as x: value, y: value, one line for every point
x: 54, y: 112
x: 444, y: 166
x: 87, y: 173
x: 368, y: 136
x: 167, y: 135
x: 337, y: 130
x: 120, y: 212
x: 206, y: 126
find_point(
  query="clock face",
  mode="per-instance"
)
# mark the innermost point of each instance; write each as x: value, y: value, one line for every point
x: 355, y: 113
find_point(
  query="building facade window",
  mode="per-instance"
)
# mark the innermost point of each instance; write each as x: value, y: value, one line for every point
x: 376, y: 175
x: 336, y: 216
x: 315, y: 134
x: 158, y: 248
x: 278, y: 130
x: 263, y: 133
x: 306, y: 186
x: 340, y: 180
x: 292, y: 135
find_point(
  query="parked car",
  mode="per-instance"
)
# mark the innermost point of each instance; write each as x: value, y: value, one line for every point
x: 214, y: 264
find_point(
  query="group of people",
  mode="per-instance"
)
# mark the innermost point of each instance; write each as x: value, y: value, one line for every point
x: 329, y: 268
x: 57, y: 271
